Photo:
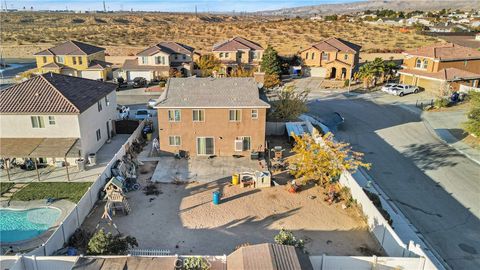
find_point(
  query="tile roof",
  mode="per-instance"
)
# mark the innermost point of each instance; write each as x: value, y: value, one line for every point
x: 337, y: 44
x: 445, y: 51
x: 98, y: 64
x: 446, y: 74
x: 72, y: 47
x: 132, y: 64
x: 269, y: 257
x: 168, y: 47
x: 53, y: 93
x: 236, y: 43
x: 211, y: 93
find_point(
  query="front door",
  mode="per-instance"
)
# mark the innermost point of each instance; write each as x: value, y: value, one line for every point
x: 108, y: 129
x: 205, y: 146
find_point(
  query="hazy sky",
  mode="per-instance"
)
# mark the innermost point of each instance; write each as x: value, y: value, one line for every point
x: 165, y: 5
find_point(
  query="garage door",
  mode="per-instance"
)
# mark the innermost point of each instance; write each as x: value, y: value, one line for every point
x: 92, y: 74
x: 144, y: 74
x: 318, y: 72
x: 406, y: 79
x: 429, y: 85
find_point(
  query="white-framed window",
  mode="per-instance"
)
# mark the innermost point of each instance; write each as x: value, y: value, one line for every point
x: 235, y: 115
x: 184, y: 57
x: 313, y: 55
x: 254, y: 114
x: 37, y: 121
x: 325, y: 56
x: 418, y: 63
x: 306, y: 55
x: 243, y: 143
x: 51, y: 120
x: 205, y: 146
x: 227, y: 55
x: 160, y: 60
x: 345, y: 57
x: 254, y: 55
x: 44, y: 59
x: 107, y: 101
x: 425, y: 64
x: 174, y: 140
x: 74, y: 60
x: 174, y: 115
x: 198, y: 115
x: 176, y: 56
x: 144, y: 60
x: 99, y: 104
x: 99, y: 135
x: 221, y: 55
x: 60, y: 59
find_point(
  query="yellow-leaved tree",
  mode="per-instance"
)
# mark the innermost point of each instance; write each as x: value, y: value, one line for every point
x: 325, y: 161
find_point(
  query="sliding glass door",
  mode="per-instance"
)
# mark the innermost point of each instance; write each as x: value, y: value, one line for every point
x: 205, y: 146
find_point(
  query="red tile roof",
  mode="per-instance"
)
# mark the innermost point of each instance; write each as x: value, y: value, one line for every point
x: 446, y: 74
x: 53, y: 93
x: 168, y: 47
x: 72, y: 47
x: 337, y: 44
x: 445, y: 51
x: 236, y: 43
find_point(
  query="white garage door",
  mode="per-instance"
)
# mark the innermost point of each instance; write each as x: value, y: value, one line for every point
x: 92, y: 74
x: 144, y: 74
x: 318, y: 72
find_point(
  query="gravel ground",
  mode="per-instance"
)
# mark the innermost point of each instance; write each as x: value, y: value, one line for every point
x: 184, y: 220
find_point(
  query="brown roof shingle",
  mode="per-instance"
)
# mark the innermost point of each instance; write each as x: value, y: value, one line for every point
x: 72, y: 47
x: 132, y: 64
x: 337, y: 44
x: 445, y: 51
x: 236, y: 43
x: 53, y: 93
x: 168, y: 47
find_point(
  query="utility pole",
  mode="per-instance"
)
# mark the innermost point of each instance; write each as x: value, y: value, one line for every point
x: 196, y: 13
x: 104, y: 7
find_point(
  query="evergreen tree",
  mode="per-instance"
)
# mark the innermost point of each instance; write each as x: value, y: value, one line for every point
x: 271, y: 62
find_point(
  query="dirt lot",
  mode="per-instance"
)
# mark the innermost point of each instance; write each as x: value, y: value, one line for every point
x: 183, y: 219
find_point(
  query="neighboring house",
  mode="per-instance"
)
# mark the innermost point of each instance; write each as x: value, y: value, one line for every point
x: 448, y: 28
x: 155, y: 62
x: 60, y: 115
x: 238, y: 51
x: 332, y: 58
x: 438, y: 67
x: 75, y: 58
x: 207, y: 116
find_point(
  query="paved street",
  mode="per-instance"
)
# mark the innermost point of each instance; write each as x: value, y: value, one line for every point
x: 436, y: 187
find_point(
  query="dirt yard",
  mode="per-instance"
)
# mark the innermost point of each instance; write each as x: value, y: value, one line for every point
x: 183, y: 219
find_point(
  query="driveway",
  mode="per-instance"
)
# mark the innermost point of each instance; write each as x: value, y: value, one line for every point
x: 436, y: 187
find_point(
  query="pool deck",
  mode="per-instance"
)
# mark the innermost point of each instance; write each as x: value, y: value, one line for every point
x: 24, y: 246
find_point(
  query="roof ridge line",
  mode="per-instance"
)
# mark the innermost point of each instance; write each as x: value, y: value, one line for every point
x: 72, y: 41
x: 58, y: 91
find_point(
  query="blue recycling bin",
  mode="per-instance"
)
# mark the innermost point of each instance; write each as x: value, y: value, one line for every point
x: 216, y: 197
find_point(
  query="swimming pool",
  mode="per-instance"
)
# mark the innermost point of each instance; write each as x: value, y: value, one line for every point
x: 19, y: 225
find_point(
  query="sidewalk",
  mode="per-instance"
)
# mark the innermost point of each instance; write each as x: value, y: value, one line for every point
x: 443, y: 124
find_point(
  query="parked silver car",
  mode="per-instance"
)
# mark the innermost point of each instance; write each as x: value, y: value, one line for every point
x: 403, y: 89
x: 388, y: 87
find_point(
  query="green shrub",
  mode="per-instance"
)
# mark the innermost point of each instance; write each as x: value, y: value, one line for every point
x: 473, y: 123
x: 285, y: 237
x: 441, y: 103
x: 195, y: 263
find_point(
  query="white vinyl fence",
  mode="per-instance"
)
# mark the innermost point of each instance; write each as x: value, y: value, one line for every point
x: 366, y: 263
x: 78, y: 214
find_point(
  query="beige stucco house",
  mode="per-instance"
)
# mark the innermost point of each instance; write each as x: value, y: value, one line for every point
x: 238, y: 51
x: 71, y: 116
x: 441, y: 68
x: 207, y: 116
x: 156, y: 61
x: 75, y: 58
x: 333, y: 58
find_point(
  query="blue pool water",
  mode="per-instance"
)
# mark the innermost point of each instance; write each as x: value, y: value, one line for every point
x: 26, y: 224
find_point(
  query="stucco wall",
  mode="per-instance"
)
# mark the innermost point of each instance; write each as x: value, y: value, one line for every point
x: 316, y: 60
x: 91, y: 120
x: 432, y: 66
x: 216, y: 125
x: 20, y: 126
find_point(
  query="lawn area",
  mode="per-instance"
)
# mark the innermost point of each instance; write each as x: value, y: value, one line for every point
x: 58, y: 190
x: 5, y: 186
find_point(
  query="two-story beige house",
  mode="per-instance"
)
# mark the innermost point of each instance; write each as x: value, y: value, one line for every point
x: 75, y: 58
x: 238, y: 51
x: 155, y: 62
x: 441, y: 68
x: 333, y: 58
x: 211, y: 116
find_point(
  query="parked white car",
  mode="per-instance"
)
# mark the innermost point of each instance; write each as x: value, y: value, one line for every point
x: 403, y: 89
x: 388, y: 87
